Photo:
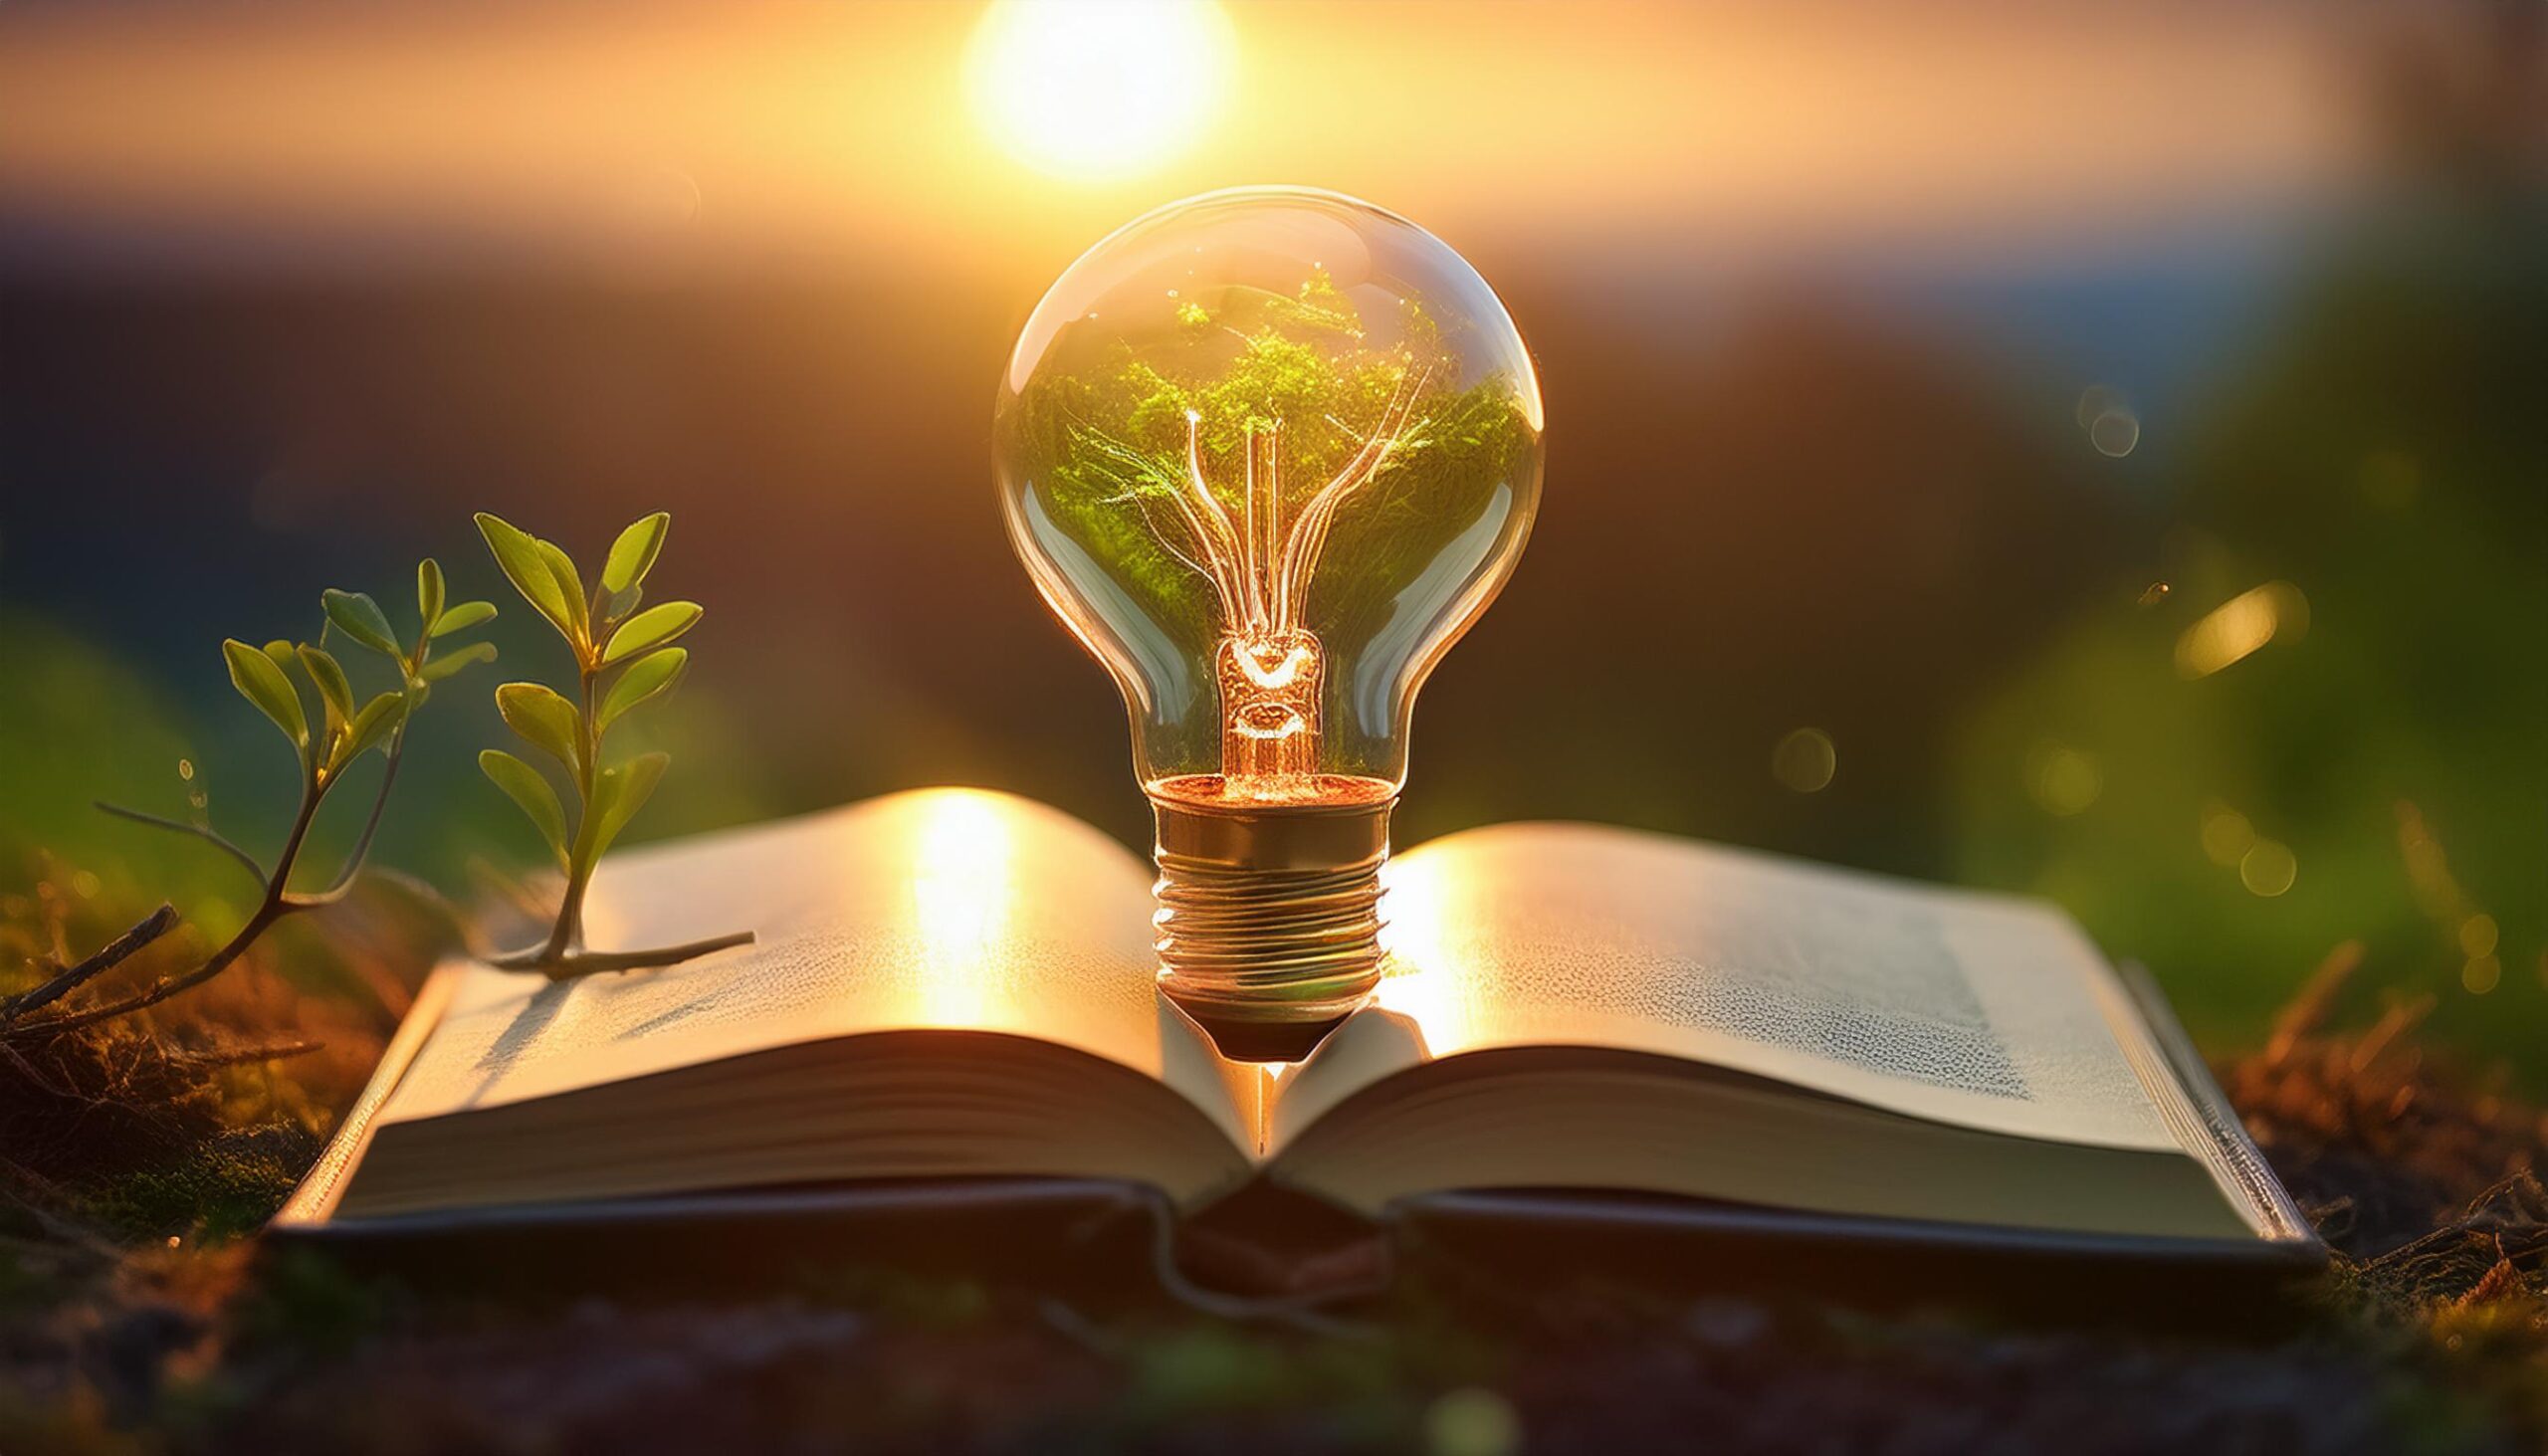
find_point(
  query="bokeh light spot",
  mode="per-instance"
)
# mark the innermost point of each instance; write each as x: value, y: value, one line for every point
x: 2240, y: 626
x: 1471, y: 1421
x: 2064, y: 780
x: 1805, y: 760
x: 2115, y: 432
x: 2108, y: 416
x: 2268, y: 868
x: 2479, y: 936
x: 2227, y: 835
x: 2481, y: 974
x: 2094, y: 401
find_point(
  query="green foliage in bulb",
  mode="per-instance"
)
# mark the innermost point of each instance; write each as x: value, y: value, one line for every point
x: 1106, y: 447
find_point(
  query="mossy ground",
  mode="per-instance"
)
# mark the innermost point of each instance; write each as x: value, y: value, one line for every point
x: 135, y: 1315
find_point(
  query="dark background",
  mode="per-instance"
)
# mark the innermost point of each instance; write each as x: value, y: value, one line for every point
x: 1834, y: 311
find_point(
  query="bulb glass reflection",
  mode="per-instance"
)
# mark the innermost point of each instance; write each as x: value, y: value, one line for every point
x: 1268, y: 453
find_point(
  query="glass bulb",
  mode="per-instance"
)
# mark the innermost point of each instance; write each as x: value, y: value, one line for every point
x: 1268, y: 452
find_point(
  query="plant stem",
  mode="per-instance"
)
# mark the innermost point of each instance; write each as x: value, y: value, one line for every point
x: 213, y: 966
x: 352, y: 866
x: 414, y: 668
x: 560, y: 956
x: 273, y: 907
x: 588, y: 963
x: 569, y: 929
x: 277, y: 904
x: 113, y: 954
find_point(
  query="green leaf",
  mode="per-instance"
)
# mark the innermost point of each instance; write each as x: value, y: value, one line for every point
x: 633, y: 555
x: 428, y: 594
x: 544, y: 720
x: 645, y: 678
x: 620, y: 792
x: 623, y: 601
x: 371, y: 724
x: 517, y: 554
x: 360, y: 618
x: 336, y: 693
x: 284, y: 655
x: 525, y: 787
x: 438, y: 668
x: 262, y: 682
x: 561, y: 569
x: 658, y: 626
x: 462, y: 617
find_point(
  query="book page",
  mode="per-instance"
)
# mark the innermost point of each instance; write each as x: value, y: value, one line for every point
x: 1978, y: 1011
x: 937, y: 909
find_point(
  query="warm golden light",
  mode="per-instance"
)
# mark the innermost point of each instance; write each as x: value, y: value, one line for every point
x: 960, y: 891
x: 1098, y: 88
x: 1423, y: 980
x: 2240, y: 626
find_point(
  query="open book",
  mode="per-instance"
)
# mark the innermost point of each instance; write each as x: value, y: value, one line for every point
x: 953, y: 983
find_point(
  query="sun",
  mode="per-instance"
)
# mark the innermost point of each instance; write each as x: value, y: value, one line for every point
x: 1098, y: 88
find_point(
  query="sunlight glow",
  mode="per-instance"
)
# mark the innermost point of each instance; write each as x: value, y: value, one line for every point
x: 960, y: 894
x: 1420, y: 977
x: 1096, y: 89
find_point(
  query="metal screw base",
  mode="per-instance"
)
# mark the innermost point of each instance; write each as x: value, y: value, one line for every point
x: 1269, y: 915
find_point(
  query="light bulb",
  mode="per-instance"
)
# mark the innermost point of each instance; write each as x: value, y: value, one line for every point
x: 1268, y: 452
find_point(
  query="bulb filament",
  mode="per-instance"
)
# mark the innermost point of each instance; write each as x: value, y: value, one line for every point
x: 1269, y: 667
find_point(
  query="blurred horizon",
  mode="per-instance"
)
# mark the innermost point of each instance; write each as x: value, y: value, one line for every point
x: 1920, y: 382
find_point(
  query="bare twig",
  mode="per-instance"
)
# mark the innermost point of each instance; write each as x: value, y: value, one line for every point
x: 35, y: 1075
x: 115, y: 953
x: 161, y: 989
x: 275, y: 907
x: 221, y: 1057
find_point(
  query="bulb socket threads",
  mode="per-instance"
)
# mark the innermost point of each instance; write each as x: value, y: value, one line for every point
x: 1269, y: 913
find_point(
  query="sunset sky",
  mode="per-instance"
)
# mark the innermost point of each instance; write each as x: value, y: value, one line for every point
x: 815, y: 135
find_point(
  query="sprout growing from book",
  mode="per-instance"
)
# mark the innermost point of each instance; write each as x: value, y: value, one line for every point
x: 625, y: 659
x: 308, y: 693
